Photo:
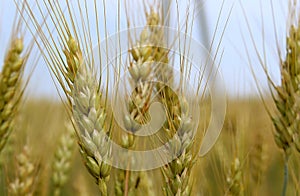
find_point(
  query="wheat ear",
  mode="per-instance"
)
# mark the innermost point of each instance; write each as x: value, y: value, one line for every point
x: 286, y: 95
x: 75, y: 78
x: 257, y: 159
x: 287, y: 122
x: 63, y: 158
x: 10, y: 79
x: 26, y: 175
x: 90, y: 118
x: 234, y: 179
x: 178, y: 124
x: 177, y: 172
x: 141, y: 69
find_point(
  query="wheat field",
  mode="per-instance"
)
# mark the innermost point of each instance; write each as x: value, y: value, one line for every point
x: 142, y: 107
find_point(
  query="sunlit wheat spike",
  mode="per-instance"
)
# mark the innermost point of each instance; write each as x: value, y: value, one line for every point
x: 178, y: 171
x: 286, y: 120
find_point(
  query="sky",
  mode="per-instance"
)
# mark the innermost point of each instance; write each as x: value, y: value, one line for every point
x: 234, y: 67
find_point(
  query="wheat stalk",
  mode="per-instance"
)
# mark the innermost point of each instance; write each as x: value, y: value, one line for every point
x: 287, y: 121
x: 77, y: 78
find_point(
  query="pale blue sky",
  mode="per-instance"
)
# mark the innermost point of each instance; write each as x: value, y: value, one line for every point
x: 234, y: 68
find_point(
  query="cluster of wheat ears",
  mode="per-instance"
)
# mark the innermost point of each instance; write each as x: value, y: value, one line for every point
x: 66, y: 35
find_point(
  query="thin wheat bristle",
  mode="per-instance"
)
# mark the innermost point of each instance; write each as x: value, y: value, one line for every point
x: 257, y: 160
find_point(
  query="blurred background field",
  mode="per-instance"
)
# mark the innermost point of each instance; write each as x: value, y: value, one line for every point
x: 246, y: 135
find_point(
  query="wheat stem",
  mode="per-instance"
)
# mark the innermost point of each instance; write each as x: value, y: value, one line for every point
x: 286, y: 175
